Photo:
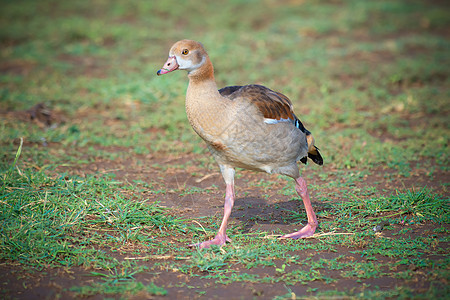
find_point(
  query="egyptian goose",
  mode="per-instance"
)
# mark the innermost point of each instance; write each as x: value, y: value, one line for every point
x: 249, y: 126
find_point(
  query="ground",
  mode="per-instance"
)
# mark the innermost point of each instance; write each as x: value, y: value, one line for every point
x: 103, y: 184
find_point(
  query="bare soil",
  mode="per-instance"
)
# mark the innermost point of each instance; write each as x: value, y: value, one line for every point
x: 261, y: 208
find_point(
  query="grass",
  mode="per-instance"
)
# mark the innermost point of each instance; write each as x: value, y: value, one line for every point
x: 113, y: 184
x: 43, y: 216
x: 126, y: 289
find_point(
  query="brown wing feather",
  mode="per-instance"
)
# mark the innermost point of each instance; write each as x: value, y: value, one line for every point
x: 271, y: 104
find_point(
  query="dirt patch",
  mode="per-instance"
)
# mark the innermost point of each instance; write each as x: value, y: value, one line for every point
x: 171, y: 186
x: 40, y: 114
x: 85, y: 65
x: 17, y: 67
x: 57, y: 283
x: 192, y: 191
x: 21, y: 283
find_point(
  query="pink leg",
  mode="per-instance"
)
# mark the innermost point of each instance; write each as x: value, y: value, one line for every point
x: 221, y: 237
x: 310, y: 228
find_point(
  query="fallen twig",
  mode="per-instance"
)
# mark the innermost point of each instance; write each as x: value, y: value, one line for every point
x: 164, y: 257
x: 206, y: 177
x: 310, y: 237
x: 200, y: 226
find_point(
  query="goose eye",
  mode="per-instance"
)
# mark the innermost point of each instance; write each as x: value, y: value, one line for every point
x: 185, y: 52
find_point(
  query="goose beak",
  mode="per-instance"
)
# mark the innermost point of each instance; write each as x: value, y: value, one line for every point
x: 170, y: 65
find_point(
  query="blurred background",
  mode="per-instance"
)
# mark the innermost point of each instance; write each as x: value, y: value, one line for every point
x: 110, y: 167
x: 368, y: 78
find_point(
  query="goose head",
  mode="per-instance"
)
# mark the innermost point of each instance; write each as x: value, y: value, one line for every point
x: 185, y: 55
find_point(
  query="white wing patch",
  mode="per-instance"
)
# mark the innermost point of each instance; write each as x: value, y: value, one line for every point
x: 275, y: 121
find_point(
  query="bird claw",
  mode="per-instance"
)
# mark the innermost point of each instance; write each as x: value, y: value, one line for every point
x: 305, y: 232
x: 219, y: 240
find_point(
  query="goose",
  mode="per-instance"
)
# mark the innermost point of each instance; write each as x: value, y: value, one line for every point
x: 250, y: 127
